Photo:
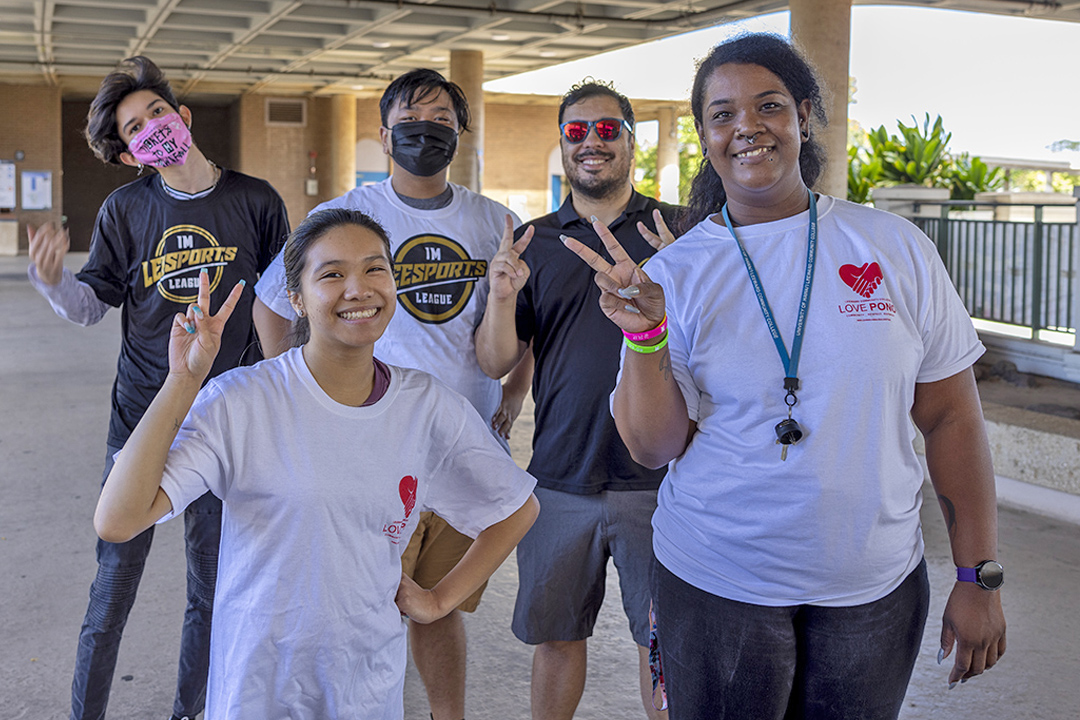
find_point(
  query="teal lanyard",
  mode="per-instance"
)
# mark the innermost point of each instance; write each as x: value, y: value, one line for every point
x: 791, y: 363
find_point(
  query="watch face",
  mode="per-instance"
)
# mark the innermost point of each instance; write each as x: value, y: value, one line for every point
x: 991, y: 575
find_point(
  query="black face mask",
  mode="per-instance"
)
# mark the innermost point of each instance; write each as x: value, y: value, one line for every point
x: 423, y: 147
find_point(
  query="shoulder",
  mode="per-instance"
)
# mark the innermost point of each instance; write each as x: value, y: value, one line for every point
x: 136, y: 191
x: 882, y: 229
x: 364, y: 198
x: 483, y: 203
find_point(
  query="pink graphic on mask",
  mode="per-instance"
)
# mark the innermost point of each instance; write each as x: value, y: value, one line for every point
x: 164, y: 141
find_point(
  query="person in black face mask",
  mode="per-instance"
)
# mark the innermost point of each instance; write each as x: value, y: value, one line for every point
x: 442, y: 237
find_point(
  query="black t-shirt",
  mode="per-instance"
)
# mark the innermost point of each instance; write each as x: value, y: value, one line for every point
x: 576, y: 447
x: 146, y: 254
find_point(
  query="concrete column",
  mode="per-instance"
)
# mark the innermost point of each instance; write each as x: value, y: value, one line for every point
x: 467, y: 70
x: 822, y: 29
x: 667, y: 156
x: 342, y: 170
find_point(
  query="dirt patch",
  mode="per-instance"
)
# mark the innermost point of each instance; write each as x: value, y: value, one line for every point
x: 1003, y: 384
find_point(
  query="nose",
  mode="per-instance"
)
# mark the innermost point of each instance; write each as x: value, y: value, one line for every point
x: 357, y: 287
x: 749, y: 127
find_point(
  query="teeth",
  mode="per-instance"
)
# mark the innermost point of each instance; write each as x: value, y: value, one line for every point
x: 357, y: 314
x: 753, y: 153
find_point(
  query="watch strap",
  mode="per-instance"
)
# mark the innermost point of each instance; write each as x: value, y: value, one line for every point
x: 964, y: 574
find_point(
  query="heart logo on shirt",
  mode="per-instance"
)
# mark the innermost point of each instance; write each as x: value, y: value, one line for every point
x: 863, y: 279
x: 407, y: 490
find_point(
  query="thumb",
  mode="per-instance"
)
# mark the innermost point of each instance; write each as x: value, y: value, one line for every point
x: 948, y: 639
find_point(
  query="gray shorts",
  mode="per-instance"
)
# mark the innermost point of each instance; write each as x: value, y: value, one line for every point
x: 562, y: 564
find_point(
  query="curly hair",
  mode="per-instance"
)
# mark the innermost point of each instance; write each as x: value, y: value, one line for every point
x: 301, y: 240
x: 777, y: 55
x: 416, y: 85
x: 591, y: 87
x: 131, y: 75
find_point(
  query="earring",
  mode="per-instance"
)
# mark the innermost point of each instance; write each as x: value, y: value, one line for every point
x: 300, y: 313
x: 806, y: 134
x: 140, y: 169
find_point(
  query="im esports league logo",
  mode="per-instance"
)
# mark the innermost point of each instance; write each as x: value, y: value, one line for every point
x: 181, y: 253
x: 435, y: 277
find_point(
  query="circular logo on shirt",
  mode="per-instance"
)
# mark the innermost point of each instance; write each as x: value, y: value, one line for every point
x: 181, y: 253
x: 435, y: 277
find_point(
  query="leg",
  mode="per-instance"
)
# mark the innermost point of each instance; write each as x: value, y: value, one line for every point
x: 438, y: 650
x: 723, y: 660
x: 628, y: 524
x: 120, y: 567
x: 202, y: 537
x: 855, y: 662
x: 558, y: 679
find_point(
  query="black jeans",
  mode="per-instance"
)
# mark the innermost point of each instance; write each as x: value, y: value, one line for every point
x: 727, y: 659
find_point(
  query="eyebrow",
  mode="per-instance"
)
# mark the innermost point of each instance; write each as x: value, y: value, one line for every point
x: 367, y: 259
x: 725, y: 101
x: 152, y: 103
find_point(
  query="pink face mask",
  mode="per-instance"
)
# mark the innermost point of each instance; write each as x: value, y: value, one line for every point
x: 163, y: 142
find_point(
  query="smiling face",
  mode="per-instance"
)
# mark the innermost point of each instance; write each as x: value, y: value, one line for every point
x: 744, y: 102
x: 347, y: 288
x: 135, y: 110
x: 593, y: 167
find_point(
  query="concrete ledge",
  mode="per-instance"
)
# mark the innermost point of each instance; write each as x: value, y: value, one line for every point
x: 1033, y: 498
x: 1035, y: 448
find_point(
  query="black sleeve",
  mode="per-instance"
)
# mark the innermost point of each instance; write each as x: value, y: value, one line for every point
x: 106, y: 271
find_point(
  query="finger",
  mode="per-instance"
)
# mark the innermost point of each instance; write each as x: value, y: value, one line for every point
x: 227, y: 307
x: 615, y: 250
x: 523, y: 241
x: 590, y: 256
x: 661, y: 227
x: 507, y: 238
x: 204, y: 289
x: 649, y: 236
x: 184, y: 324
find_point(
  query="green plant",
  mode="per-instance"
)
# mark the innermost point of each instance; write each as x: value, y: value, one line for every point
x: 864, y: 173
x: 914, y: 157
x: 969, y: 175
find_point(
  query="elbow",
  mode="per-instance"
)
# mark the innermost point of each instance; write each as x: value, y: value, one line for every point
x: 651, y: 459
x: 112, y: 529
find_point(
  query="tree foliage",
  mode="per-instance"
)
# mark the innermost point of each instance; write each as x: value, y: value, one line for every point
x: 645, y: 156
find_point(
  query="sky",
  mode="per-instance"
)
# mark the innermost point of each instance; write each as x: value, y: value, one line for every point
x: 1005, y: 87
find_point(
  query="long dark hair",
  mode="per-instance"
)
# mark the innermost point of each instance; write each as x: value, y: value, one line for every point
x: 131, y: 75
x: 777, y: 55
x: 306, y: 234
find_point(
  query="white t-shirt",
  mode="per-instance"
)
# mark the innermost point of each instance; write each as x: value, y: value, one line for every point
x: 440, y: 267
x: 837, y: 524
x: 320, y: 500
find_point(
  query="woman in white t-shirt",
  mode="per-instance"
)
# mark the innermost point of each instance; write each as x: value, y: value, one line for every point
x: 790, y: 580
x: 324, y: 458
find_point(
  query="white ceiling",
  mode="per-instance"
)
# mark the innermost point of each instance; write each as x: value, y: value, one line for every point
x: 349, y: 46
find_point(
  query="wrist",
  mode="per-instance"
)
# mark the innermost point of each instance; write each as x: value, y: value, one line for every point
x: 648, y: 335
x: 647, y: 347
x: 988, y: 574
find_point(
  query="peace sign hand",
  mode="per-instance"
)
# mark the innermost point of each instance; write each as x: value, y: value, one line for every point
x: 662, y: 237
x: 196, y: 337
x: 507, y: 272
x: 627, y: 296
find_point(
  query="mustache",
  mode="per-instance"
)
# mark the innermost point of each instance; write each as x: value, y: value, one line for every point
x: 593, y: 153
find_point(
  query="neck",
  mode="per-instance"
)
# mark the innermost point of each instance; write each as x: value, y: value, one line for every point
x: 606, y: 209
x: 194, y: 175
x: 420, y: 188
x: 347, y: 375
x: 743, y: 212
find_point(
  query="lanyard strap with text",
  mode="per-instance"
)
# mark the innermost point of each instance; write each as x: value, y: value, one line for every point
x: 791, y: 363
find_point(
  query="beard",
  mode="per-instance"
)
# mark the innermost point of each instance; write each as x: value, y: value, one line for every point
x: 612, y: 180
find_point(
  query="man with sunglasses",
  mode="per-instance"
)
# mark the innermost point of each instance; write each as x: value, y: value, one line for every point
x: 595, y: 501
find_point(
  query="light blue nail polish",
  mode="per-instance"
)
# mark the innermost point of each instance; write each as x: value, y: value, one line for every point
x: 204, y: 271
x: 190, y: 328
x: 952, y: 684
x: 198, y: 311
x: 592, y: 218
x: 243, y: 282
x: 629, y: 292
x: 632, y: 309
x: 964, y: 680
x: 940, y: 655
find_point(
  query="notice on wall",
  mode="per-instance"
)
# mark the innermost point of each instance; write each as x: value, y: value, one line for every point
x: 37, y: 190
x: 7, y: 185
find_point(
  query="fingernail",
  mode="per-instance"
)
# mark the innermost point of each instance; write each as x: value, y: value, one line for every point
x: 952, y: 684
x: 964, y: 680
x: 198, y: 311
x: 204, y: 271
x: 243, y: 282
x: 564, y: 238
x: 940, y: 655
x: 190, y: 328
x: 629, y: 292
x: 632, y: 309
x: 592, y: 218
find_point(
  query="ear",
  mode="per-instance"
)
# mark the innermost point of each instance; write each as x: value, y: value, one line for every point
x: 185, y: 115
x: 297, y: 302
x: 384, y: 138
x: 803, y: 112
x: 701, y: 139
x: 129, y: 160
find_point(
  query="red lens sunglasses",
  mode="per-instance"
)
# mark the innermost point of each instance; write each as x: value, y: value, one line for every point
x: 607, y: 129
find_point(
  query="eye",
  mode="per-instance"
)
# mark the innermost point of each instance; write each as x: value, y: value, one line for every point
x: 332, y: 274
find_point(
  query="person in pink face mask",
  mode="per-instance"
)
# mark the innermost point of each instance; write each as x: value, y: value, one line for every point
x: 152, y: 239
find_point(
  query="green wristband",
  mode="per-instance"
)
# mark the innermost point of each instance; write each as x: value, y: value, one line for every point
x: 646, y: 349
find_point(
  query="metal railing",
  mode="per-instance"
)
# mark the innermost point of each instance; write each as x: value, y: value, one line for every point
x: 1013, y: 272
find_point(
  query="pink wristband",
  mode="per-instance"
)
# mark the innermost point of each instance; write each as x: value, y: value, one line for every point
x: 648, y: 334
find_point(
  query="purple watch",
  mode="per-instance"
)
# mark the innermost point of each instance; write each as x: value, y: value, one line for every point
x: 989, y: 575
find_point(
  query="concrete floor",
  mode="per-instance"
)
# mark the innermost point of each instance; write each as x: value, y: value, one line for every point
x: 55, y: 380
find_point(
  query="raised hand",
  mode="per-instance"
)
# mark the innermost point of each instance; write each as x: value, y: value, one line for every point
x: 507, y: 271
x: 195, y: 338
x: 49, y: 244
x: 628, y: 297
x: 662, y: 237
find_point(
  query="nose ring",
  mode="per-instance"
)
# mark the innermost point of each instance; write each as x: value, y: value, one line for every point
x: 750, y: 139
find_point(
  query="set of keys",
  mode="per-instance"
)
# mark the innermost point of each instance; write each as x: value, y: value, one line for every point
x: 788, y: 432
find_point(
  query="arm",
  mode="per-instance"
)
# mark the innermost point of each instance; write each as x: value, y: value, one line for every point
x: 498, y: 348
x: 70, y: 298
x: 949, y: 415
x: 272, y: 329
x: 649, y: 409
x: 514, y: 391
x: 132, y: 499
x: 485, y: 555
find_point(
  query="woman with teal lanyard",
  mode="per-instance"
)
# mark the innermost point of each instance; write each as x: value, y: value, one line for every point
x: 790, y: 580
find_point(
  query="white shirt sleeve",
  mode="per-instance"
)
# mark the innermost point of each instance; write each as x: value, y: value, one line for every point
x: 71, y: 299
x: 271, y: 289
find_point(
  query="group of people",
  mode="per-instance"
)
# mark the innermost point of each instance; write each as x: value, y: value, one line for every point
x: 763, y: 513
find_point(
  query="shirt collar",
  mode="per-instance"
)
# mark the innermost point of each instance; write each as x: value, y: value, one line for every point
x: 568, y: 216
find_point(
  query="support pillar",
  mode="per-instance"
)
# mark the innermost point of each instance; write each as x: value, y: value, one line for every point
x: 467, y: 70
x: 822, y: 30
x: 667, y: 156
x: 342, y: 145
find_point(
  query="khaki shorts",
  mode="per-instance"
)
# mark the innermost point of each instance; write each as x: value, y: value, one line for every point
x: 433, y: 550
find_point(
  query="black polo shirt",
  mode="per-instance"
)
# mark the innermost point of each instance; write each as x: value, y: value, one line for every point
x: 576, y: 447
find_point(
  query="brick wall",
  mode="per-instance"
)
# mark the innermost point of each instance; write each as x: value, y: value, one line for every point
x: 30, y: 121
x: 519, y: 139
